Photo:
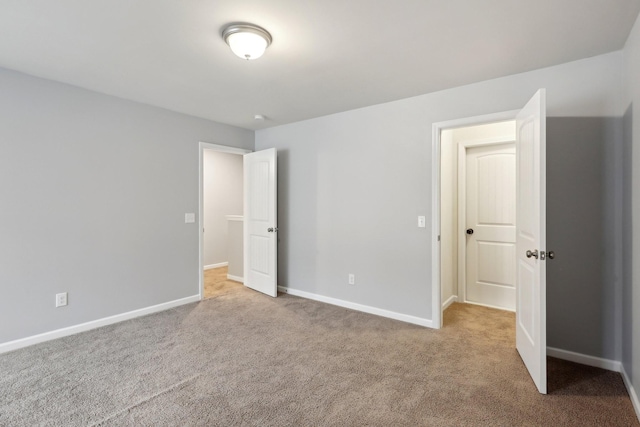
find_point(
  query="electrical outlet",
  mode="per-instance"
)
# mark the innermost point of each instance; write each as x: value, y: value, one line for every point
x: 352, y: 279
x: 61, y: 299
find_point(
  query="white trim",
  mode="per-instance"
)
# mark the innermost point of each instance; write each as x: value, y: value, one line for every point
x: 71, y: 330
x: 224, y: 148
x: 235, y: 217
x: 358, y: 307
x: 235, y: 278
x: 201, y: 147
x: 436, y: 130
x: 487, y: 142
x: 583, y: 359
x: 461, y: 222
x: 632, y: 391
x: 218, y: 265
x: 436, y: 286
x: 512, y: 310
x: 598, y: 362
x: 449, y: 301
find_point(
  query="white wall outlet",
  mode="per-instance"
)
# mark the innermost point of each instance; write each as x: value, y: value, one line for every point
x: 352, y: 279
x: 61, y: 299
x: 422, y: 221
x: 189, y: 218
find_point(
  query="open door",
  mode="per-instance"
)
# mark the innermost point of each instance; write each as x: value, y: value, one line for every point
x: 260, y: 222
x: 531, y: 294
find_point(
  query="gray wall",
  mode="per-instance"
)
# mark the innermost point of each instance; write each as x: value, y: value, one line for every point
x: 236, y: 252
x: 93, y: 192
x: 582, y: 284
x: 352, y: 184
x: 631, y: 313
x: 223, y: 195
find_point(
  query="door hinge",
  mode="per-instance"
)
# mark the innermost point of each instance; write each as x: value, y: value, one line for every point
x: 438, y: 238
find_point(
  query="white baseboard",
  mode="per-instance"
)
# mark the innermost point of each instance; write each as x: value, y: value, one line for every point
x: 583, y: 359
x: 449, y: 301
x: 359, y: 307
x: 512, y: 310
x: 236, y: 278
x: 71, y: 330
x: 632, y: 391
x: 598, y: 362
x: 218, y: 265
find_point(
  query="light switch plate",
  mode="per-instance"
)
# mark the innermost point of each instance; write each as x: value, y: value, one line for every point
x: 422, y: 222
x: 189, y: 218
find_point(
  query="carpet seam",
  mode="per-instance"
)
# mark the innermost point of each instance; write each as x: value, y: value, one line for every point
x: 172, y: 387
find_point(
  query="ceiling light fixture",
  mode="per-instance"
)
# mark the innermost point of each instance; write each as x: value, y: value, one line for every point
x: 247, y: 41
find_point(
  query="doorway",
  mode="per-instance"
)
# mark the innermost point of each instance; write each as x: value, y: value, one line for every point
x: 221, y: 219
x: 259, y: 229
x: 478, y: 215
x: 531, y: 252
x: 441, y: 147
x: 223, y: 222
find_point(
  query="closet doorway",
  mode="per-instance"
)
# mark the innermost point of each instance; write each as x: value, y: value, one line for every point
x: 222, y: 198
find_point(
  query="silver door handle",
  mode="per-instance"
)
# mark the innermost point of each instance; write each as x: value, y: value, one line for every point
x: 272, y: 229
x: 532, y: 254
x: 551, y: 255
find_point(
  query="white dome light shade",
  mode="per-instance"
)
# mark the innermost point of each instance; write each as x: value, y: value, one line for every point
x: 247, y: 41
x: 247, y: 45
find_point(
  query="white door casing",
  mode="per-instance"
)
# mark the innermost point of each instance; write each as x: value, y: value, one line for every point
x: 260, y: 222
x: 436, y: 133
x: 531, y: 332
x: 490, y: 205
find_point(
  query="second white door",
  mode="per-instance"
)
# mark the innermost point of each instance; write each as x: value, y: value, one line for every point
x: 490, y: 219
x: 261, y: 222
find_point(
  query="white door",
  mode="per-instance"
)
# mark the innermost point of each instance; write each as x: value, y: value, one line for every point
x: 260, y: 222
x: 531, y: 304
x: 490, y: 225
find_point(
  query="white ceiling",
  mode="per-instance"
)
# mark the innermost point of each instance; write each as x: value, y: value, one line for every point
x: 327, y: 55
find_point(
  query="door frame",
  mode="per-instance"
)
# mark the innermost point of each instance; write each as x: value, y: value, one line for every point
x: 222, y: 149
x: 436, y: 134
x: 462, y: 208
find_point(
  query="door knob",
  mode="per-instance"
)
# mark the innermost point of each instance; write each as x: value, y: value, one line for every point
x: 532, y: 254
x: 551, y: 255
x: 469, y: 231
x: 272, y: 229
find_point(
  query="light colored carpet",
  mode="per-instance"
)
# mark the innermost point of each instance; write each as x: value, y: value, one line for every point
x: 216, y: 282
x: 246, y: 359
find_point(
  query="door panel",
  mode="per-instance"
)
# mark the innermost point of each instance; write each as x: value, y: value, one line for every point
x: 496, y: 263
x: 496, y: 177
x: 531, y: 314
x: 260, y: 222
x: 490, y: 212
x: 259, y: 254
x: 525, y: 316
